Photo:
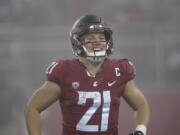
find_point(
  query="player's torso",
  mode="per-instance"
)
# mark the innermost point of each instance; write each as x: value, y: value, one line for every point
x: 91, y: 104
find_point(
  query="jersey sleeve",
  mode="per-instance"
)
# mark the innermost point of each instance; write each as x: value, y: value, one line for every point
x: 54, y: 72
x: 130, y: 70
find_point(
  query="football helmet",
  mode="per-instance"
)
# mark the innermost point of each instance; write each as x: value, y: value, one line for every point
x: 86, y: 25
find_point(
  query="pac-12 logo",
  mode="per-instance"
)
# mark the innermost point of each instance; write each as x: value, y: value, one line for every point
x: 75, y: 85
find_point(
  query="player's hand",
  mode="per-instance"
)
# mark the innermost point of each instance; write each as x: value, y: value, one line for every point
x: 137, y: 133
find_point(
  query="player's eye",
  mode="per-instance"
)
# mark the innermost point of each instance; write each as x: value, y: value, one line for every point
x: 101, y: 37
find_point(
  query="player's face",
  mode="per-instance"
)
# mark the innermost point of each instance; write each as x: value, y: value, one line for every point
x: 95, y: 42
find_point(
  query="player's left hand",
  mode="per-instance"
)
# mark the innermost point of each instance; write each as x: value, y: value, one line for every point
x: 137, y: 133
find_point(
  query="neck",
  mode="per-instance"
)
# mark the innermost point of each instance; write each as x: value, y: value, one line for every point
x: 92, y: 67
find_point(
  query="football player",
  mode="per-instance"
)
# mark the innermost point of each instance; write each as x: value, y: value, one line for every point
x: 89, y: 88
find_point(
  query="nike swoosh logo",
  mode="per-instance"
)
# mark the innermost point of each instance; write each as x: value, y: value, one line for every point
x: 111, y: 83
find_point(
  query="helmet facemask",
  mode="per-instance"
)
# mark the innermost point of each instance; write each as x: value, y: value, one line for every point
x: 93, y: 50
x: 91, y: 24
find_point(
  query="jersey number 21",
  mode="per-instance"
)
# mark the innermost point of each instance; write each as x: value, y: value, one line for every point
x: 96, y: 96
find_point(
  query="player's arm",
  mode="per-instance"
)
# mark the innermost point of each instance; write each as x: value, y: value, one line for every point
x: 47, y: 94
x: 138, y: 102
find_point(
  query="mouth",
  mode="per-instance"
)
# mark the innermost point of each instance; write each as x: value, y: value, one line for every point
x: 97, y: 49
